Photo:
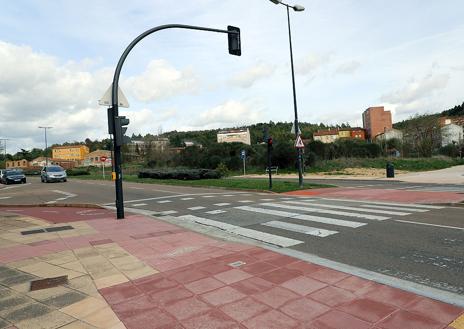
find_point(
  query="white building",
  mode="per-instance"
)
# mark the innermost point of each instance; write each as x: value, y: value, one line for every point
x: 234, y: 136
x: 451, y: 134
x: 390, y: 134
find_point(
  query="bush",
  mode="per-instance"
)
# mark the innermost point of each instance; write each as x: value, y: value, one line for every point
x: 180, y: 174
x: 449, y: 150
x: 77, y: 172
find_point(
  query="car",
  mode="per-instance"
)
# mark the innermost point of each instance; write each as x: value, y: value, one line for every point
x: 11, y: 176
x: 53, y: 174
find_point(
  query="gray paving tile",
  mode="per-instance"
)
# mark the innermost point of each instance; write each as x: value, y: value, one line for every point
x: 64, y: 299
x: 5, y: 292
x: 9, y: 303
x: 17, y: 279
x: 4, y: 324
x: 27, y: 312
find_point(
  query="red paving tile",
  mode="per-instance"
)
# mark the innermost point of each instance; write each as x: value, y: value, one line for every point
x: 119, y: 293
x: 338, y: 320
x: 168, y: 296
x: 257, y: 268
x: 367, y: 309
x: 354, y: 284
x: 187, y: 275
x: 133, y: 307
x: 244, y: 309
x: 213, y: 267
x: 304, y: 267
x: 222, y: 296
x: 304, y: 309
x: 154, y: 283
x: 100, y: 242
x: 275, y: 297
x: 303, y: 285
x: 438, y: 311
x: 204, y: 285
x: 187, y: 308
x: 271, y: 320
x: 392, y: 296
x: 236, y: 258
x: 66, y: 214
x: 282, y: 260
x: 214, y: 319
x: 280, y: 275
x: 328, y: 275
x: 405, y: 319
x: 232, y: 276
x: 332, y: 296
x: 252, y: 285
x: 152, y: 319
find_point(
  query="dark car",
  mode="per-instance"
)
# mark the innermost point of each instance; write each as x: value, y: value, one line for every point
x: 53, y: 174
x: 11, y: 176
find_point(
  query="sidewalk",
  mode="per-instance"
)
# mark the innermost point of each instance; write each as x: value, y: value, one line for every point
x: 142, y: 273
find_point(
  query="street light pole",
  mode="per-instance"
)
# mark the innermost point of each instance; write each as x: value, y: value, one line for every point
x: 4, y: 150
x: 46, y: 146
x: 297, y: 129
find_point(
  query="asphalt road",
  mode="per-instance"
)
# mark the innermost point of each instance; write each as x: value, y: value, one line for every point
x: 418, y: 243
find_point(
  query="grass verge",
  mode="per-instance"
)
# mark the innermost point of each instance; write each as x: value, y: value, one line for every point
x: 278, y: 185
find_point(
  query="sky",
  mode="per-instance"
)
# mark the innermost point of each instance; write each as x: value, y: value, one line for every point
x: 57, y: 58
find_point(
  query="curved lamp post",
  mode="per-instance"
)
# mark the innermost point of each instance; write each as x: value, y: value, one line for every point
x: 297, y: 129
x: 113, y: 117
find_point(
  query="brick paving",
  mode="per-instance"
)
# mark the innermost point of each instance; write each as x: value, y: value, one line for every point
x: 144, y: 273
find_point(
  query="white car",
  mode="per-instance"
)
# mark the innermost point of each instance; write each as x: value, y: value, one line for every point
x: 53, y: 174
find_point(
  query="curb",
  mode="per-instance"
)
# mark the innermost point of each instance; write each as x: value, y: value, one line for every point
x: 64, y: 205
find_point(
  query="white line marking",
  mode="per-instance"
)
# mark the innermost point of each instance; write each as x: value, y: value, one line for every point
x: 245, y: 201
x: 208, y: 196
x: 5, y: 197
x: 426, y: 224
x: 287, y: 198
x: 253, y: 234
x: 14, y: 186
x: 327, y: 211
x: 164, y: 201
x: 351, y: 208
x: 222, y: 204
x: 196, y: 208
x: 167, y: 212
x: 394, y: 208
x: 60, y: 199
x: 300, y: 228
x: 267, y: 200
x: 228, y: 195
x: 165, y: 197
x: 184, y: 199
x: 414, y: 205
x: 139, y: 204
x: 133, y: 187
x: 325, y: 220
x: 215, y: 212
x: 49, y: 202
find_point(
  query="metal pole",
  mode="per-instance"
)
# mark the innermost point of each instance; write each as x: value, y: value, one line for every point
x: 46, y: 145
x: 115, y: 104
x: 4, y: 150
x: 297, y: 130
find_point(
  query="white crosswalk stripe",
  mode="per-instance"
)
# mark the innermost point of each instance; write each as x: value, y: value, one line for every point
x: 299, y: 228
x: 415, y: 205
x: 253, y: 234
x: 326, y: 211
x: 324, y: 220
x: 386, y: 212
x: 393, y: 208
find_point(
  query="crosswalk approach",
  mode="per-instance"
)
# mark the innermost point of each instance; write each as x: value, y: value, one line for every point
x: 317, y: 218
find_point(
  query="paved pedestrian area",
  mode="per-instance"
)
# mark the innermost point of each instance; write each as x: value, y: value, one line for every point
x: 146, y: 273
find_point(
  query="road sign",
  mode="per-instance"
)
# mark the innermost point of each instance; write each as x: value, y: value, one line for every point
x: 242, y: 154
x: 293, y: 129
x: 106, y: 100
x: 103, y: 158
x: 299, y: 143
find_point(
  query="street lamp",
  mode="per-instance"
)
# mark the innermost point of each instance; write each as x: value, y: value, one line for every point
x: 45, y: 130
x: 4, y: 149
x: 297, y: 130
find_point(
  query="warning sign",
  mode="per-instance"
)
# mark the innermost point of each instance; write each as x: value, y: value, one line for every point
x: 299, y: 143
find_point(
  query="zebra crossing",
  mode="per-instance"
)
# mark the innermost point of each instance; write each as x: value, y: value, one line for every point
x: 316, y: 218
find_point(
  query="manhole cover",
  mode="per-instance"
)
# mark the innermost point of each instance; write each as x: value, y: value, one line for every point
x: 237, y: 264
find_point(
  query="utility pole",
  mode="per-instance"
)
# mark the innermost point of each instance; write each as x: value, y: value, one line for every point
x: 46, y: 146
x: 4, y: 148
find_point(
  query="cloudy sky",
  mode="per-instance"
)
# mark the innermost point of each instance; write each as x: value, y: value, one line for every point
x: 57, y: 59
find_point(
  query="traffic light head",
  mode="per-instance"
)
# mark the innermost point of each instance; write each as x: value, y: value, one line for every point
x: 120, y: 123
x: 234, y: 41
x: 269, y: 141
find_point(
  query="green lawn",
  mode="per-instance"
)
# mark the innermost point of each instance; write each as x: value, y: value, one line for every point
x: 278, y: 185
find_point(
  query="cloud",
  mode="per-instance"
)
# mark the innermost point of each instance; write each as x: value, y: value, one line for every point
x: 309, y: 64
x: 417, y: 89
x: 228, y: 114
x: 161, y: 80
x: 348, y: 67
x: 257, y: 72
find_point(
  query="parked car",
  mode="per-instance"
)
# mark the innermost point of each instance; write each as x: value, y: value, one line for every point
x: 11, y: 176
x: 53, y: 174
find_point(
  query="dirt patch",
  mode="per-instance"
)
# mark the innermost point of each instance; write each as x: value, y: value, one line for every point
x: 365, y: 172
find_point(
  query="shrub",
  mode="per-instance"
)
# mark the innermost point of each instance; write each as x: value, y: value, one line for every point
x: 180, y: 174
x: 77, y: 172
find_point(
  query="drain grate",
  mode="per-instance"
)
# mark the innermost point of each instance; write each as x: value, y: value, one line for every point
x: 237, y: 264
x: 49, y: 282
x: 49, y: 229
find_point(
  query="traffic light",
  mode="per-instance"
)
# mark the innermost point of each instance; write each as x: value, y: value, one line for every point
x: 269, y: 142
x: 120, y: 123
x: 234, y: 41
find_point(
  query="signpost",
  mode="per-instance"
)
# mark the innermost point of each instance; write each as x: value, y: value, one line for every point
x: 243, y: 157
x: 103, y: 160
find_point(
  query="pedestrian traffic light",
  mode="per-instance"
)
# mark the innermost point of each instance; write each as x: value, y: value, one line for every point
x: 269, y: 141
x: 234, y: 41
x: 120, y: 123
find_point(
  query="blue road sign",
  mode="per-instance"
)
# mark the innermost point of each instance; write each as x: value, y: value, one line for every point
x: 242, y: 154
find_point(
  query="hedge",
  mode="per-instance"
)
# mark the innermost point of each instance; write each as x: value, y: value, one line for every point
x: 181, y: 174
